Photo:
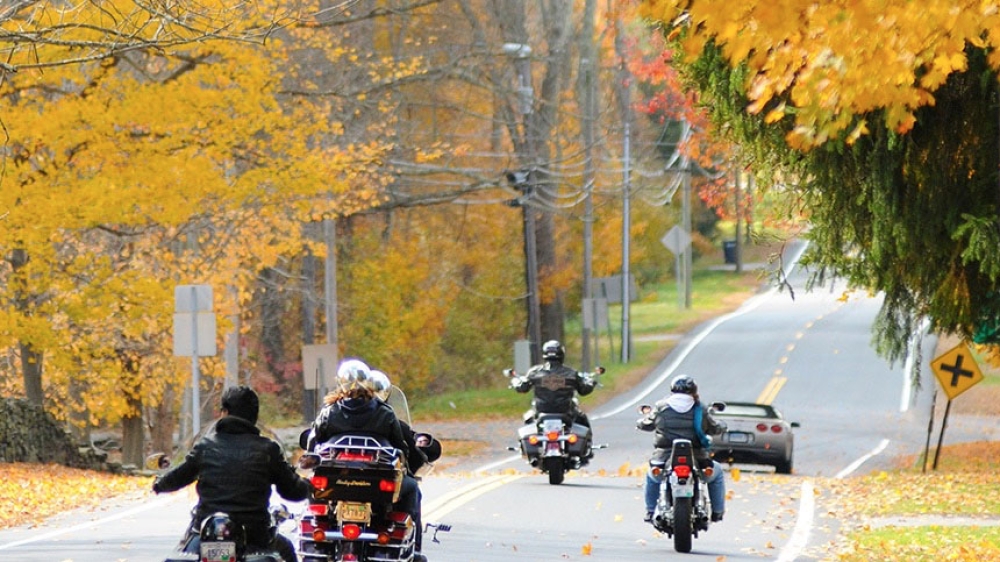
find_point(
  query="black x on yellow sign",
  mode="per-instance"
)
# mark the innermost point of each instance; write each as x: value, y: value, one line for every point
x: 956, y: 370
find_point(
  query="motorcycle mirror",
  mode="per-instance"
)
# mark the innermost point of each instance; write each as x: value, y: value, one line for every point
x: 718, y: 406
x: 645, y: 409
x: 304, y: 438
x: 599, y: 370
x: 157, y: 461
x: 309, y: 461
x: 509, y: 372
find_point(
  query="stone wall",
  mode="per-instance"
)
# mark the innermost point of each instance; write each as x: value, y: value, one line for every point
x: 29, y: 434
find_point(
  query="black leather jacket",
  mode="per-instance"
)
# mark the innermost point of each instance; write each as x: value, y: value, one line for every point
x: 367, y: 417
x: 555, y: 387
x: 235, y: 467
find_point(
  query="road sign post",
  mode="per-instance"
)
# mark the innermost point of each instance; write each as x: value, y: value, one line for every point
x: 194, y: 336
x: 677, y: 240
x: 957, y: 372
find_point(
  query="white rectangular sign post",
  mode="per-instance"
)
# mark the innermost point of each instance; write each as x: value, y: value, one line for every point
x: 318, y: 369
x: 194, y: 336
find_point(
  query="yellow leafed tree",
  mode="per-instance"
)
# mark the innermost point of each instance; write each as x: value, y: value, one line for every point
x: 129, y: 172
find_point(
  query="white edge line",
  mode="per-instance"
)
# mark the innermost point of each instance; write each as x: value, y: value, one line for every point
x: 857, y: 464
x: 94, y: 523
x: 916, y: 340
x: 497, y: 464
x: 750, y: 305
x: 803, y: 524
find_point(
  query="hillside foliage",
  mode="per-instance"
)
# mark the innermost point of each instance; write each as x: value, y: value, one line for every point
x: 881, y: 118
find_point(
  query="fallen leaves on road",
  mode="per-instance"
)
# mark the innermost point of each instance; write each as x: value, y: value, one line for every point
x: 30, y: 493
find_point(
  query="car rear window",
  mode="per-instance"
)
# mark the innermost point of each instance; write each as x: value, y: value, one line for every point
x: 748, y: 410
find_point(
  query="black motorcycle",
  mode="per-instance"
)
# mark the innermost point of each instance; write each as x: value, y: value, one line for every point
x: 554, y: 443
x: 356, y: 481
x: 217, y: 538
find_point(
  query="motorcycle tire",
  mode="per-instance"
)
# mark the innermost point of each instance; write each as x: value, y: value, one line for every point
x: 555, y: 469
x: 682, y: 524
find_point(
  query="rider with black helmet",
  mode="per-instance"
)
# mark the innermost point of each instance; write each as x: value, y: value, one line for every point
x: 228, y: 483
x: 682, y: 416
x: 555, y: 384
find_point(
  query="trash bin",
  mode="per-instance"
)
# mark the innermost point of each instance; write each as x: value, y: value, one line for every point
x: 729, y: 250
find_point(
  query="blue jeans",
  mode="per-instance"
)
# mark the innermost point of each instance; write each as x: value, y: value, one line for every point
x: 716, y: 489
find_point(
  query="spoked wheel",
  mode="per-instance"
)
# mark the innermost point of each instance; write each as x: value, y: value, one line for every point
x: 682, y: 524
x: 555, y: 469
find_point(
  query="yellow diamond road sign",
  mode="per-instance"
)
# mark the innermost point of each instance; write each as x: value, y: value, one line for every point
x: 956, y: 370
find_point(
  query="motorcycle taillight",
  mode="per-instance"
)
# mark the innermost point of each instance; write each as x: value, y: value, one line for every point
x: 682, y: 471
x: 351, y: 532
x: 552, y: 435
x: 387, y: 485
x: 319, y: 482
x: 319, y: 508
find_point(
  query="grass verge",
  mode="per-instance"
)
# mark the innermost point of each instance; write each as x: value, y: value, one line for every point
x: 908, y: 515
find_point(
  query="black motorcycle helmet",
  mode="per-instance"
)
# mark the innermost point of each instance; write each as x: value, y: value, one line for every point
x: 683, y: 384
x: 553, y: 351
x: 220, y: 527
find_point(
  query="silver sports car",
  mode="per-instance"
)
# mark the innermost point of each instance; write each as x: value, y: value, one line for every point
x: 755, y: 434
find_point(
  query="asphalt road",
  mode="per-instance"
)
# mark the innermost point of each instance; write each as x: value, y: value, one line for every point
x: 810, y: 355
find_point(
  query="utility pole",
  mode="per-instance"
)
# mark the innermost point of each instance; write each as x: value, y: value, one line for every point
x: 588, y: 91
x: 526, y: 183
x: 626, y: 101
x: 330, y: 294
x: 686, y: 210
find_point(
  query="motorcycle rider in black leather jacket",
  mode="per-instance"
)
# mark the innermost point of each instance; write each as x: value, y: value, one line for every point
x: 354, y: 409
x: 555, y: 385
x: 235, y: 467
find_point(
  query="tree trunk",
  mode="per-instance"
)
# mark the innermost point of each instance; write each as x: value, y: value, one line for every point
x: 133, y: 434
x: 31, y: 369
x: 31, y: 360
x: 163, y: 424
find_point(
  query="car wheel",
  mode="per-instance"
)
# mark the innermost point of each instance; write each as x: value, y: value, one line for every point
x: 784, y: 466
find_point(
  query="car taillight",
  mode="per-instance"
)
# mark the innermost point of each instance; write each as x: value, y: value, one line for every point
x: 387, y: 485
x: 319, y: 482
x: 762, y: 427
x: 351, y: 532
x: 682, y: 471
x: 776, y: 428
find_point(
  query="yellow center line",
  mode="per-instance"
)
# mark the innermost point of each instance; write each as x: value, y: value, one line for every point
x: 771, y: 390
x: 454, y: 499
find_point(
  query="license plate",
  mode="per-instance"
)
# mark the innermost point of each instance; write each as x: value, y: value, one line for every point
x: 738, y: 438
x: 353, y: 511
x: 683, y: 491
x: 218, y: 551
x: 552, y: 425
